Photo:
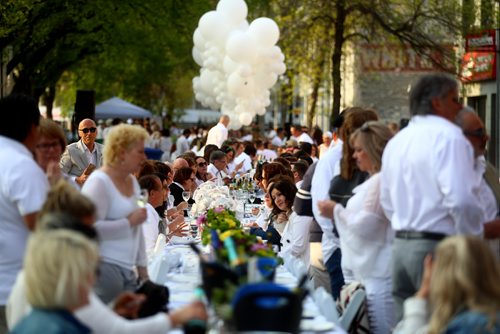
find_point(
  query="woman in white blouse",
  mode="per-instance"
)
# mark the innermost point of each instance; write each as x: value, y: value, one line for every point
x: 114, y: 191
x: 295, y: 234
x: 365, y: 233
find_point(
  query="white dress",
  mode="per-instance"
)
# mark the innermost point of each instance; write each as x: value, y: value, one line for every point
x: 366, y: 242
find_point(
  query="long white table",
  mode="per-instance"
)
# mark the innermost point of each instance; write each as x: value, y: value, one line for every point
x: 178, y: 268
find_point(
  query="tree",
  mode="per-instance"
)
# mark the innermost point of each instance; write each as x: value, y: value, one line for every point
x: 133, y: 48
x: 423, y: 25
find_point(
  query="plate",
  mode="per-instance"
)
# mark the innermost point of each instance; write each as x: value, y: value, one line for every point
x: 185, y: 240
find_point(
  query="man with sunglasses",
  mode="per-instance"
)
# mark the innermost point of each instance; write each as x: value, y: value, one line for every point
x: 82, y: 157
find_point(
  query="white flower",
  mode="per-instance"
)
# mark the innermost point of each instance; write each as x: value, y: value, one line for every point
x: 209, y: 196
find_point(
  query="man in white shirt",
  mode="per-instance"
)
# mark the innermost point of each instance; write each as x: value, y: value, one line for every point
x: 81, y: 158
x: 182, y: 143
x: 23, y: 190
x: 327, y: 140
x: 217, y: 167
x: 218, y: 133
x: 279, y: 139
x: 428, y: 184
x: 243, y: 158
x: 299, y: 135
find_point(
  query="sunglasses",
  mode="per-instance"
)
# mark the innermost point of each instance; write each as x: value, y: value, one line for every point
x: 87, y: 130
x: 202, y: 164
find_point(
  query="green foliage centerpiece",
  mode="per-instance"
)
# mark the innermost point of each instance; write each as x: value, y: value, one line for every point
x: 232, y: 252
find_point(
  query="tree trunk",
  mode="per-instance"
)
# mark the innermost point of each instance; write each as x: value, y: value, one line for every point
x: 314, y: 101
x: 48, y: 99
x: 337, y: 58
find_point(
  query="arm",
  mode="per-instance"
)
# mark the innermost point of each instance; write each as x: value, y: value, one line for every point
x: 65, y: 162
x: 300, y: 234
x: 27, y: 193
x: 458, y: 183
x: 101, y: 319
x: 492, y: 229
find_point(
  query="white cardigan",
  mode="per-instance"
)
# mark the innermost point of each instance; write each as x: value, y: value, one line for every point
x: 365, y: 233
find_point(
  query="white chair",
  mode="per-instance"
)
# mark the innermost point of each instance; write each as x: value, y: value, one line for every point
x: 356, y: 301
x: 326, y: 305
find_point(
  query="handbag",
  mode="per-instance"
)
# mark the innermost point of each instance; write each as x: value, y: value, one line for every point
x: 157, y: 297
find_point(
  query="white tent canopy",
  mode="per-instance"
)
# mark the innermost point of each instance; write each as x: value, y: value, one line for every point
x: 118, y: 108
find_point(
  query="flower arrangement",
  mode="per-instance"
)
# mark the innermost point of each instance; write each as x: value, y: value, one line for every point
x: 210, y: 196
x: 218, y: 224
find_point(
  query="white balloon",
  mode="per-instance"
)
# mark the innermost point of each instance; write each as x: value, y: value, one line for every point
x: 239, y: 86
x: 265, y: 80
x: 241, y: 47
x: 279, y: 68
x: 214, y: 27
x: 261, y: 111
x: 229, y: 65
x: 198, y: 39
x: 245, y: 70
x: 246, y: 118
x: 206, y: 80
x: 265, y: 31
x: 234, y: 124
x: 237, y: 10
x: 243, y: 25
x: 197, y: 56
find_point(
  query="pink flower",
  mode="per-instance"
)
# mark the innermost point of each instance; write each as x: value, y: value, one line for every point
x: 257, y: 247
x: 219, y: 209
x: 201, y: 220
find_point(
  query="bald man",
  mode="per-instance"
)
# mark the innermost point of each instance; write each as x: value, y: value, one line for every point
x: 218, y: 133
x: 489, y: 190
x: 82, y: 157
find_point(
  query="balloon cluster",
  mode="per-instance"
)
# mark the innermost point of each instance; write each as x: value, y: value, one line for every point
x: 239, y: 62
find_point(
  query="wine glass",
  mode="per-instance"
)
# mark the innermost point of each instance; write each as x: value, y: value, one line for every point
x: 251, y: 197
x: 186, y: 195
x: 142, y: 198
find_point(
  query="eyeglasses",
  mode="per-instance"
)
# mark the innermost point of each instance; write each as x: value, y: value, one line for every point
x: 202, y: 164
x: 480, y: 133
x: 47, y: 146
x: 87, y: 130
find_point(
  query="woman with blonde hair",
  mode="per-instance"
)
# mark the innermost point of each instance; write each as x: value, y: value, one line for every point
x: 364, y: 231
x: 115, y: 193
x: 460, y: 286
x: 57, y: 285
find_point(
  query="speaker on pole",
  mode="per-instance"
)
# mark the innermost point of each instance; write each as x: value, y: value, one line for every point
x: 84, y: 107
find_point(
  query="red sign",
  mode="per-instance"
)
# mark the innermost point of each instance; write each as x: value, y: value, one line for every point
x: 478, y: 66
x: 484, y: 41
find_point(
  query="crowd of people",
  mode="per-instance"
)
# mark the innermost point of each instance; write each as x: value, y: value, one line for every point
x: 404, y: 212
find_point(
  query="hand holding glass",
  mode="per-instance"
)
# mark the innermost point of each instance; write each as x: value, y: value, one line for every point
x: 142, y: 198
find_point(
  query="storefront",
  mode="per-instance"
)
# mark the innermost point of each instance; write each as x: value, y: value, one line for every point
x: 478, y: 74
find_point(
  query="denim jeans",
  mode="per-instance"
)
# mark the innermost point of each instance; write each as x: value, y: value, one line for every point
x: 335, y: 271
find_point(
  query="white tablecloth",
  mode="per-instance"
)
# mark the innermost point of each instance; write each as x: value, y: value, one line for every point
x: 178, y: 268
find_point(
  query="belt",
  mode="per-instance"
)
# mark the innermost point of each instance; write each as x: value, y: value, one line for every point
x: 420, y: 235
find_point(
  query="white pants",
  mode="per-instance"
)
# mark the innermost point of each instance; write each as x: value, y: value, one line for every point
x: 380, y: 304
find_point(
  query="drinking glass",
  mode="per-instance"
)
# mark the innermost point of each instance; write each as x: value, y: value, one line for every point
x: 251, y: 197
x: 186, y: 195
x: 142, y: 198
